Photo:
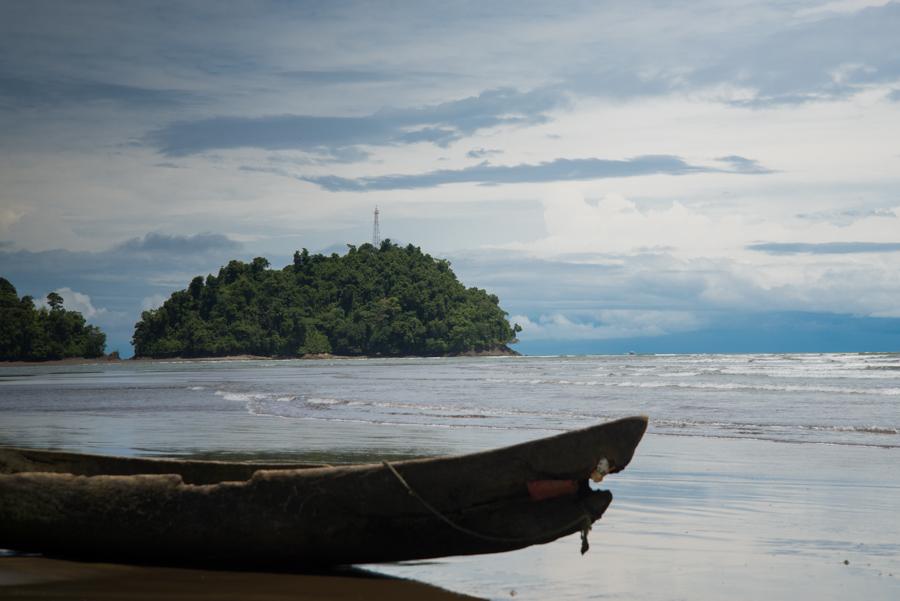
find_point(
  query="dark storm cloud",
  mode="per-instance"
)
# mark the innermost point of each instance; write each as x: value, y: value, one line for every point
x: 439, y: 124
x: 550, y: 171
x: 824, y: 248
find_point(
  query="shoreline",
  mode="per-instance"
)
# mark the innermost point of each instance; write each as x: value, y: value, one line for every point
x: 106, y: 360
x: 29, y: 577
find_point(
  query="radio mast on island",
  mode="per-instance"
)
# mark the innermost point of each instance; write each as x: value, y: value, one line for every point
x: 376, y: 233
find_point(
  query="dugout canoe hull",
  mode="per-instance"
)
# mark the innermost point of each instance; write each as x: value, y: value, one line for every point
x: 188, y: 512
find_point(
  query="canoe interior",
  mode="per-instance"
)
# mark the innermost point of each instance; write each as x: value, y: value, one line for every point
x: 16, y: 461
x: 620, y: 438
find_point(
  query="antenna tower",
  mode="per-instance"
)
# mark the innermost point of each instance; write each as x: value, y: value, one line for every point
x: 376, y: 232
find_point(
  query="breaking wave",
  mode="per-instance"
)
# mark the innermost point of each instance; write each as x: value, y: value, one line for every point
x: 773, y: 397
x: 731, y: 386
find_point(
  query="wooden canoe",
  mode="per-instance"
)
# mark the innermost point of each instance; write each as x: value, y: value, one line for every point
x: 171, y: 511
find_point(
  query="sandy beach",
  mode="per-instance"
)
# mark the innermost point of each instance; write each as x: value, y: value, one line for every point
x: 46, y: 579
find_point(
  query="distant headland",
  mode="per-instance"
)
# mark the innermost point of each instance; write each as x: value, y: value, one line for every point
x: 384, y: 300
x: 48, y: 333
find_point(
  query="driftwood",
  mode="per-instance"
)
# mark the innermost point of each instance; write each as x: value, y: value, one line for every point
x: 174, y: 511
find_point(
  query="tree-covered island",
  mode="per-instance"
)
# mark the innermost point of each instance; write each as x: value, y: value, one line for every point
x: 31, y: 334
x: 387, y: 300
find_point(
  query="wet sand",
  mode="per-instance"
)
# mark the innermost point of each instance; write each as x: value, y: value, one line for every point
x: 706, y: 519
x: 43, y: 578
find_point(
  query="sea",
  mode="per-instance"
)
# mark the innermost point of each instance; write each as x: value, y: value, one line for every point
x: 774, y: 476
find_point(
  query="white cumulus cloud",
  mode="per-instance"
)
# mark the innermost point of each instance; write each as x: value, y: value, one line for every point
x: 605, y: 324
x: 9, y: 216
x: 78, y: 301
x: 154, y: 301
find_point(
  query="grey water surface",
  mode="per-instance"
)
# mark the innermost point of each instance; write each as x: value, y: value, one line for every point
x: 760, y: 474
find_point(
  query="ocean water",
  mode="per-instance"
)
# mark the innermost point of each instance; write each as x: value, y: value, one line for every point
x: 760, y: 474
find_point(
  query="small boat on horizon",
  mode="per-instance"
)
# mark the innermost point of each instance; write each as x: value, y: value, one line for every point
x: 189, y: 512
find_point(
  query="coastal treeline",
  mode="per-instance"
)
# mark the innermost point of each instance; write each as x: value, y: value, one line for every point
x: 387, y: 300
x: 31, y: 334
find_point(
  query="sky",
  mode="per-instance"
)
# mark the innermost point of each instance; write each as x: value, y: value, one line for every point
x: 626, y: 176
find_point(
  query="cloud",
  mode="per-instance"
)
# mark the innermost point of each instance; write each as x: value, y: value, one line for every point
x: 549, y: 171
x: 339, y: 76
x: 585, y: 283
x: 289, y: 81
x: 740, y: 164
x: 172, y: 244
x: 841, y: 6
x: 326, y: 77
x: 124, y: 274
x: 824, y: 248
x: 438, y: 124
x: 826, y: 58
x: 762, y: 101
x: 154, y: 301
x: 606, y: 324
x: 17, y: 92
x: 348, y: 154
x: 77, y: 301
x: 323, y: 156
x: 9, y: 216
x: 767, y: 54
x: 284, y: 132
x: 848, y: 216
x: 480, y: 153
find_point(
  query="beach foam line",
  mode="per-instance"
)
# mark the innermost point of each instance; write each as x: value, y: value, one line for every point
x: 885, y: 391
x: 786, y: 440
x: 732, y: 386
x: 241, y: 397
x: 865, y: 429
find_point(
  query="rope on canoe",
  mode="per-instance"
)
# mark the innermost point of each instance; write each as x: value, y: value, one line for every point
x: 584, y: 520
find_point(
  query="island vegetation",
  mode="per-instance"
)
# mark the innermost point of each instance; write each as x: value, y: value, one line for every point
x: 387, y: 300
x: 28, y: 333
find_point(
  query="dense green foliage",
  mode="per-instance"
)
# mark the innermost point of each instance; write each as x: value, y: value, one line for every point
x: 389, y: 300
x: 29, y: 334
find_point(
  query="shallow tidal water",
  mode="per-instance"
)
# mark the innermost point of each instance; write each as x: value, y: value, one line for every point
x: 771, y: 476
